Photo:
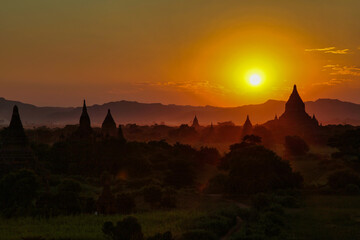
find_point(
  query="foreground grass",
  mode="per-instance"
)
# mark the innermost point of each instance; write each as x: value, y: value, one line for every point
x: 88, y: 227
x: 326, y: 217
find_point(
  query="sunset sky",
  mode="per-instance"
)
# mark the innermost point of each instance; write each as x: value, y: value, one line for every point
x: 197, y: 52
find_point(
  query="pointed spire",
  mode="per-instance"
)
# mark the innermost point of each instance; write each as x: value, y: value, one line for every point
x: 195, y: 123
x: 248, y: 122
x: 84, y: 107
x: 15, y: 119
x: 108, y: 126
x: 121, y: 134
x: 85, y: 126
x: 295, y: 103
x: 295, y: 116
x: 247, y: 127
x: 15, y: 132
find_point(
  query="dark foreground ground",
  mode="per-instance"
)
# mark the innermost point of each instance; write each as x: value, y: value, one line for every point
x: 320, y: 217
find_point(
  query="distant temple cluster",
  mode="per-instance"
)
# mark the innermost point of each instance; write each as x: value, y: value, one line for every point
x: 108, y: 127
x: 294, y: 121
x: 15, y: 150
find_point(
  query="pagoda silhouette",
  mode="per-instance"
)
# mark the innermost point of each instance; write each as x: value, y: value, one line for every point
x: 108, y: 127
x: 195, y: 123
x: 295, y: 119
x: 247, y: 128
x: 15, y: 151
x: 84, y: 130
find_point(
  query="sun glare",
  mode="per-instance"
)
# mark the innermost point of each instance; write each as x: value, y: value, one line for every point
x: 255, y: 79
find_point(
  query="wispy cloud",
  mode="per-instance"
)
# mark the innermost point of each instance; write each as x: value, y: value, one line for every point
x: 320, y: 49
x: 332, y: 50
x: 332, y: 82
x: 194, y: 86
x: 343, y: 70
x: 340, y: 74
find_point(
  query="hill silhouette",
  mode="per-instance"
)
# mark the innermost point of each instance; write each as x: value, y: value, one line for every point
x: 327, y: 111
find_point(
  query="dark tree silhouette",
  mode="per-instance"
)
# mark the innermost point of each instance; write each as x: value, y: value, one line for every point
x: 255, y: 169
x: 152, y: 195
x: 295, y: 146
x: 127, y: 229
x: 18, y: 190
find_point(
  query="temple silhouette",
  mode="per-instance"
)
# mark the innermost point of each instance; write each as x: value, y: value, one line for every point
x: 295, y: 119
x: 195, y: 123
x: 108, y: 127
x: 15, y: 150
x: 84, y: 130
x: 247, y: 128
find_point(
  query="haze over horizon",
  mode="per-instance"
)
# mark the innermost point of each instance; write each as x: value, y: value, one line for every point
x: 56, y: 53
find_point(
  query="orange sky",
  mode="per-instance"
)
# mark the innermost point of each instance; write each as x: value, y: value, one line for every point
x: 180, y: 51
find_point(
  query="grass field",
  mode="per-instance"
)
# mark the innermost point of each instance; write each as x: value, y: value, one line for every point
x: 326, y: 217
x: 88, y: 227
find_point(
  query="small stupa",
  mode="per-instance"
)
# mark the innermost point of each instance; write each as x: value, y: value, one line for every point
x: 247, y: 127
x: 195, y: 123
x: 108, y: 127
x: 15, y: 151
x: 84, y: 130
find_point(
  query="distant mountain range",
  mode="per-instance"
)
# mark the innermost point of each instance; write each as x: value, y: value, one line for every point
x: 327, y: 111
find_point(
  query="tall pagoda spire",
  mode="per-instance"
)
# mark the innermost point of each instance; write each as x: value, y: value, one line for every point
x: 195, y: 123
x: 108, y: 127
x: 295, y: 103
x: 15, y: 132
x: 247, y: 127
x: 84, y: 118
x: 85, y: 127
x: 295, y: 117
x: 15, y: 152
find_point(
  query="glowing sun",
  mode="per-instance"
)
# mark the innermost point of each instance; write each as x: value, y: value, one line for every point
x: 255, y: 79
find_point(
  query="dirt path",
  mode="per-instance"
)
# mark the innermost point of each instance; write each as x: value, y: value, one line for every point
x: 239, y: 221
x: 234, y: 229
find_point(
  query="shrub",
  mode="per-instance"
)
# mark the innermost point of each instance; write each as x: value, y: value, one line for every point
x: 169, y: 199
x: 295, y: 146
x: 218, y: 225
x: 152, y: 194
x: 69, y: 186
x: 198, y: 235
x: 272, y: 224
x: 288, y: 201
x: 181, y: 171
x: 254, y: 169
x: 339, y: 180
x: 261, y: 201
x: 127, y: 229
x: 32, y: 238
x: 352, y: 189
x: 217, y: 184
x: 125, y: 204
x: 159, y: 236
x: 17, y: 192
